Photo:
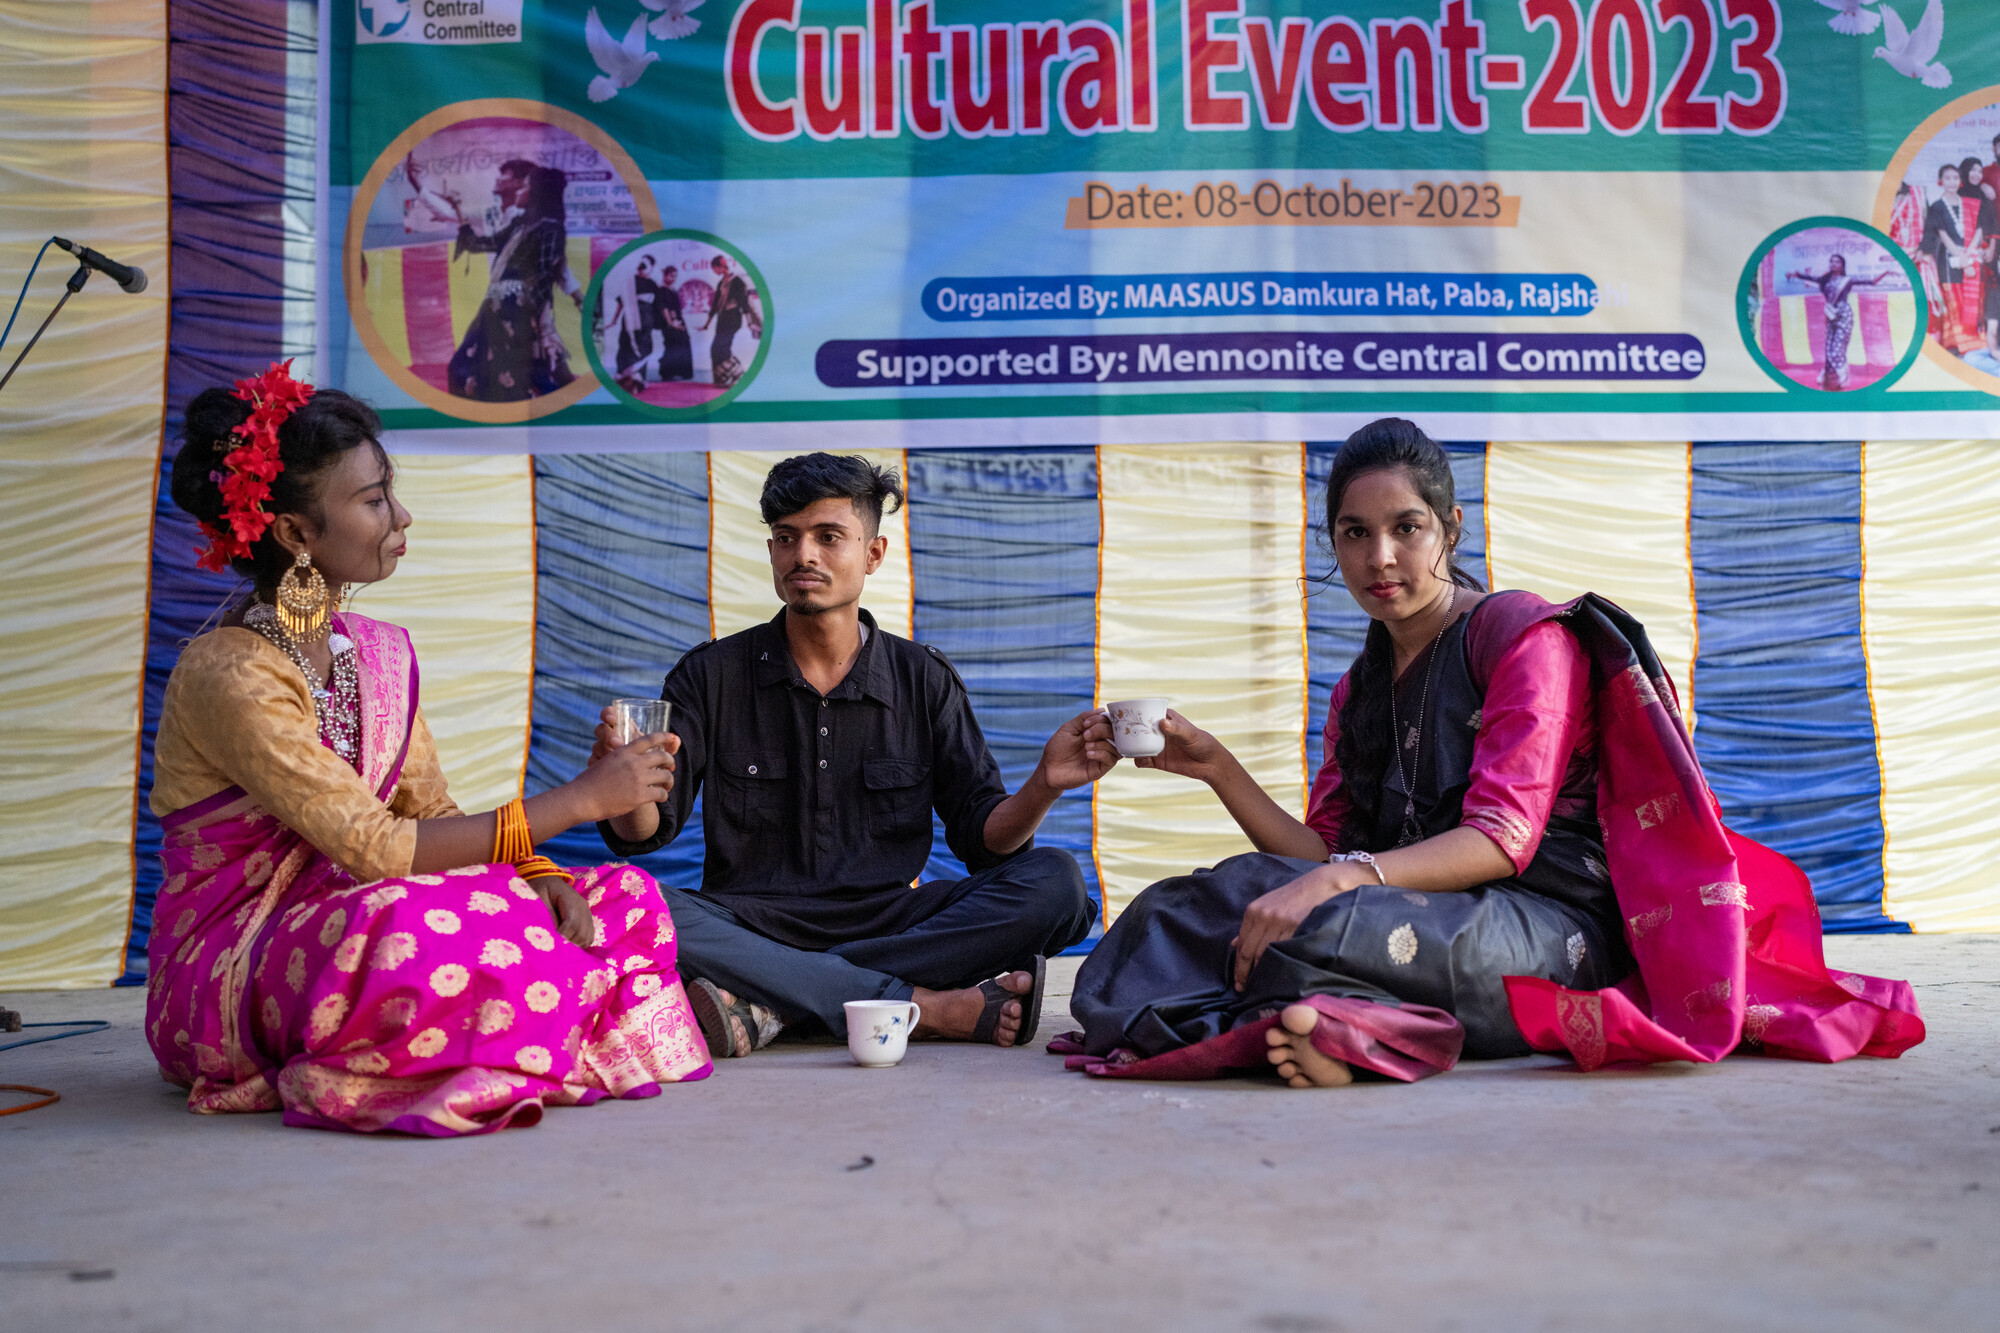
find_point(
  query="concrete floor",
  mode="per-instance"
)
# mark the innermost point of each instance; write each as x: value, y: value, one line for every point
x: 1006, y: 1194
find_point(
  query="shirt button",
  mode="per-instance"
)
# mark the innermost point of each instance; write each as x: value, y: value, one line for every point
x: 822, y: 763
x: 822, y: 731
x: 753, y: 768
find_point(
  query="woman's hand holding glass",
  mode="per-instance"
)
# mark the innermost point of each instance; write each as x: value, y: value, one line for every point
x: 627, y: 776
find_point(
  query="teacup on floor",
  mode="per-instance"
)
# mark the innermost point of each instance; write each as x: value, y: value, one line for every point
x: 878, y: 1031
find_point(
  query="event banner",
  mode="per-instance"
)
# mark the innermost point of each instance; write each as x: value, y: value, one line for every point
x: 664, y: 224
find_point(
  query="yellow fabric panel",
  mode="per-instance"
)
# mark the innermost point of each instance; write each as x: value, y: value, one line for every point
x: 1565, y: 519
x: 1199, y: 601
x: 383, y: 291
x: 1792, y: 323
x: 82, y: 154
x: 470, y: 274
x: 1902, y: 324
x: 1931, y: 628
x: 740, y: 592
x: 466, y: 593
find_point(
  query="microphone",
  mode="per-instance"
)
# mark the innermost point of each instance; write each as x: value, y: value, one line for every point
x: 128, y: 276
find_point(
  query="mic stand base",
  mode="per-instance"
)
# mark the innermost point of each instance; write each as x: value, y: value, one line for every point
x: 71, y: 288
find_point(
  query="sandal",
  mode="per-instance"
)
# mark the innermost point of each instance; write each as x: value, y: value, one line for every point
x: 998, y: 995
x: 723, y: 1020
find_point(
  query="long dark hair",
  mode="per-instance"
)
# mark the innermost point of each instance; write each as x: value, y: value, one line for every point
x: 1366, y: 748
x: 543, y: 188
x: 311, y: 440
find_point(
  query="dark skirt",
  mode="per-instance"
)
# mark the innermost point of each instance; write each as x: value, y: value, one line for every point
x: 501, y: 358
x: 676, y: 353
x: 1160, y: 978
x: 721, y: 347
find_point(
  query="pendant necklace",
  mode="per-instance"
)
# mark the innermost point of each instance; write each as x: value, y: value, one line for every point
x: 336, y: 706
x: 1412, y: 831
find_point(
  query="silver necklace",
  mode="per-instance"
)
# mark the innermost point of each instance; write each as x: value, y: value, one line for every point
x: 1412, y: 831
x: 337, y: 705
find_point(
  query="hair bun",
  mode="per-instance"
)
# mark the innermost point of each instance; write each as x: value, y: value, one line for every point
x: 211, y: 420
x: 312, y: 439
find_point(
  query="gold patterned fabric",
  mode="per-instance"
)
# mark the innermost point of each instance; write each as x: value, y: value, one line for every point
x: 237, y: 713
x: 287, y: 971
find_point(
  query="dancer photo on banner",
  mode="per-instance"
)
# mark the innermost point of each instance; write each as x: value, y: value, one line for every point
x: 679, y: 322
x: 469, y: 256
x: 1832, y: 307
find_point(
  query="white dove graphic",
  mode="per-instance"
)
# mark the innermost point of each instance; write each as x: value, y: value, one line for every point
x: 1915, y: 53
x: 622, y: 62
x: 1853, y: 19
x: 673, y: 21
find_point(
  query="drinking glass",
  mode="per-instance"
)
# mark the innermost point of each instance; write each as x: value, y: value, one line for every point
x: 638, y: 717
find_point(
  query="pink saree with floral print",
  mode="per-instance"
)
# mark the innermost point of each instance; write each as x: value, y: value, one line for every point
x: 430, y: 1004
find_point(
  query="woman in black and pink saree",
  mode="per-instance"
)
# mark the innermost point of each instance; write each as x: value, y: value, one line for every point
x: 1510, y: 847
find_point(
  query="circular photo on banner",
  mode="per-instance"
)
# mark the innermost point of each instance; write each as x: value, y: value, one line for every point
x: 1831, y: 304
x: 1938, y: 201
x: 679, y: 322
x: 469, y: 247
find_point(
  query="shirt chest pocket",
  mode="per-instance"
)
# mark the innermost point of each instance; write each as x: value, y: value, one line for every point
x: 753, y: 789
x: 898, y: 800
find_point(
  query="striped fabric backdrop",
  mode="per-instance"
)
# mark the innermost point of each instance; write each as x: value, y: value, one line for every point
x: 1830, y: 612
x: 1805, y: 598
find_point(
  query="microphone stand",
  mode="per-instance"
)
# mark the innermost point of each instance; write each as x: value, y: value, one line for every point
x: 72, y: 287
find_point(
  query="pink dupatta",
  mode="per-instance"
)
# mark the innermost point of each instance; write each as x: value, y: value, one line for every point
x: 1725, y: 930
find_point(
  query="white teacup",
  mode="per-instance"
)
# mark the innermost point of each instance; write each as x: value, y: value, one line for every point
x: 1135, y: 726
x: 878, y: 1031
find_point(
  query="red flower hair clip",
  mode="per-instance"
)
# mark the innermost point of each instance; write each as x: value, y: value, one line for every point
x: 252, y: 465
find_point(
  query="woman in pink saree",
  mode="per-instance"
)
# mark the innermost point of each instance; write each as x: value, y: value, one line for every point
x: 1510, y: 848
x: 333, y: 936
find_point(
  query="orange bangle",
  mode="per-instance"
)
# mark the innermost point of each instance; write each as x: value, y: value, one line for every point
x: 512, y: 840
x: 538, y: 867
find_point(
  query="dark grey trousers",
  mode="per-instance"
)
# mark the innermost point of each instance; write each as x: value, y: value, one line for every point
x: 1000, y: 918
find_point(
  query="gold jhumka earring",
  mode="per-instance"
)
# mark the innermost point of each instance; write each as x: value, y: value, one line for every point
x: 305, y: 606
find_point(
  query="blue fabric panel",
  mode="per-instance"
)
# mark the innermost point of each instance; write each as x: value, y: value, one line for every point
x: 621, y: 593
x: 1780, y: 684
x: 1335, y: 626
x: 1003, y: 554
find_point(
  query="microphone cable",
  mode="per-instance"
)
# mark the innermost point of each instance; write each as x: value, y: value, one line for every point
x: 48, y: 1096
x: 24, y: 289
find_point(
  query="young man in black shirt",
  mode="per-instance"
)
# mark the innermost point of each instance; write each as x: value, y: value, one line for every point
x: 824, y: 745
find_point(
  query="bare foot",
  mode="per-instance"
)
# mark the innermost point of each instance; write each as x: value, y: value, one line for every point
x: 953, y: 1014
x: 1299, y: 1062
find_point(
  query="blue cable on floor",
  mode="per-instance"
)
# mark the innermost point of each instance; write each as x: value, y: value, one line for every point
x: 82, y: 1025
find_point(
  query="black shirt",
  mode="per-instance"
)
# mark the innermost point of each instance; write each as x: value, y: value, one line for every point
x: 818, y: 813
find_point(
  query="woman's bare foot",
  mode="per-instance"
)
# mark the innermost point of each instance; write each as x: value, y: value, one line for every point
x: 1299, y: 1062
x: 953, y: 1014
